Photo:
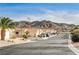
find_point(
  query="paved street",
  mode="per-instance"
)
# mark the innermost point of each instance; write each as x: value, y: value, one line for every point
x: 52, y: 46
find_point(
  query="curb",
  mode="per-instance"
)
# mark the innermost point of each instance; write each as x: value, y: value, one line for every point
x: 76, y: 51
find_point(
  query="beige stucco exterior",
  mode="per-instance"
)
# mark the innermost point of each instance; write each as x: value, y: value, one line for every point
x: 11, y: 33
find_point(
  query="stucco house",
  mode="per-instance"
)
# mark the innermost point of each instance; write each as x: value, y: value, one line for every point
x: 33, y: 32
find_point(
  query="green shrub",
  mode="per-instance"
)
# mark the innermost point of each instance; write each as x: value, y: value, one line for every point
x: 75, y: 35
x: 26, y: 35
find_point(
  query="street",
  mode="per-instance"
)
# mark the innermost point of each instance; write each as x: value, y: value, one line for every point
x: 51, y: 46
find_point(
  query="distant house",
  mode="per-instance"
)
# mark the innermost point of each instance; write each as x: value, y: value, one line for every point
x: 33, y: 32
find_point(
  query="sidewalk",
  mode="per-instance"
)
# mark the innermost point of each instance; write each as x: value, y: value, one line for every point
x: 74, y: 47
x: 17, y: 41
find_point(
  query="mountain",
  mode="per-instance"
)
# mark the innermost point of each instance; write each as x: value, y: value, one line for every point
x: 45, y: 24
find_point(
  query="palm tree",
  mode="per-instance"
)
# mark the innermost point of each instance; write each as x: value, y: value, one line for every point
x: 5, y: 23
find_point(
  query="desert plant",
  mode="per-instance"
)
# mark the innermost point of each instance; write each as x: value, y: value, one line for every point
x: 26, y: 35
x: 75, y: 35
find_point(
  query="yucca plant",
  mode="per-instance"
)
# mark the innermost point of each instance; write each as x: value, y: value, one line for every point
x: 5, y: 23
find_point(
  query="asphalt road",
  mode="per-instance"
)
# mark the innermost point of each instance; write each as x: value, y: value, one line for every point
x: 51, y: 46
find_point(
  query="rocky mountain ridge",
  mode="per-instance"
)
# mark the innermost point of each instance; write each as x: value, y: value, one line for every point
x: 45, y: 24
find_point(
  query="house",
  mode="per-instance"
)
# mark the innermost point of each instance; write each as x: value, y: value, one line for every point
x: 33, y: 32
x: 18, y: 32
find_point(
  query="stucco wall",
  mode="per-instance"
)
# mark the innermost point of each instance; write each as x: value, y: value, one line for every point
x: 7, y: 35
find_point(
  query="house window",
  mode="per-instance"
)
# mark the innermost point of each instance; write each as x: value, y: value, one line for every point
x: 17, y: 32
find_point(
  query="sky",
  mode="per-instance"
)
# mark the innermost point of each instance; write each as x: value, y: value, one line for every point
x: 56, y: 12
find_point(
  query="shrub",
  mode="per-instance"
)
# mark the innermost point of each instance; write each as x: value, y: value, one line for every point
x: 41, y: 35
x: 26, y: 35
x: 47, y: 35
x: 75, y: 35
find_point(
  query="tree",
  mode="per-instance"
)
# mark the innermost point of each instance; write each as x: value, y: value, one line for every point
x: 5, y: 23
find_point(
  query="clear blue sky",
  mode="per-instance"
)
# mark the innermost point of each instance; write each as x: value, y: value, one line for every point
x: 15, y: 10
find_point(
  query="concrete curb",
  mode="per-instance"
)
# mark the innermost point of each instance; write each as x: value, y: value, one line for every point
x: 75, y: 50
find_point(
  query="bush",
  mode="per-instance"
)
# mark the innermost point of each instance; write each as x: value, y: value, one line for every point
x: 42, y: 35
x: 26, y: 35
x: 47, y: 35
x: 75, y: 35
